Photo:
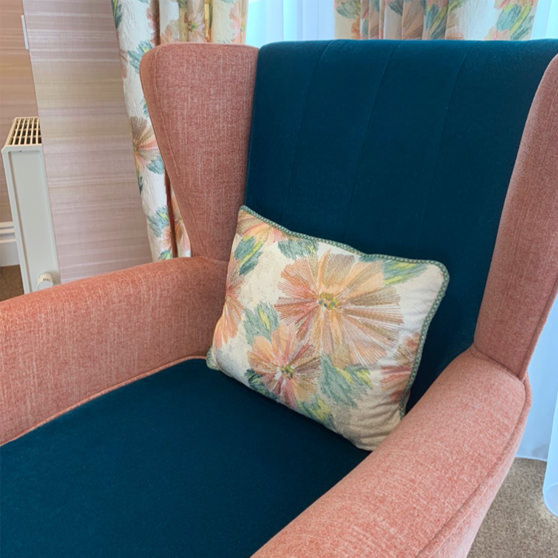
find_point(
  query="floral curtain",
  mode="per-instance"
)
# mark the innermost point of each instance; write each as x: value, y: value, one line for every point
x: 141, y: 25
x: 434, y: 19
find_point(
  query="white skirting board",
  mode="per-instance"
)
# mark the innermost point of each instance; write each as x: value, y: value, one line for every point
x: 8, y: 246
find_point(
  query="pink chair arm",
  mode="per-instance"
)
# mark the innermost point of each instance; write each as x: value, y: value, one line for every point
x: 63, y: 346
x: 426, y: 489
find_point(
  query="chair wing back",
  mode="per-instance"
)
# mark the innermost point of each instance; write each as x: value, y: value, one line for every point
x: 523, y: 278
x: 200, y: 102
x: 407, y: 149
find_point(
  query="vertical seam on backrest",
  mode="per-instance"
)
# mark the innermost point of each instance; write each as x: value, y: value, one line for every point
x: 361, y: 155
x: 286, y: 198
x: 440, y: 141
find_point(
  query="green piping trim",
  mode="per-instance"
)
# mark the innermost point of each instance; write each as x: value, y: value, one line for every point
x: 423, y: 331
x: 343, y: 246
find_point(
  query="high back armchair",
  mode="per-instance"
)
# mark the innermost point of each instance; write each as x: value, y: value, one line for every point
x: 432, y: 150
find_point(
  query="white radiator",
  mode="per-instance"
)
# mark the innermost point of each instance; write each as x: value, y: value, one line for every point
x: 29, y: 203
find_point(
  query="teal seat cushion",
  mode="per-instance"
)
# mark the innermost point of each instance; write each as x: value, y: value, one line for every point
x: 187, y: 462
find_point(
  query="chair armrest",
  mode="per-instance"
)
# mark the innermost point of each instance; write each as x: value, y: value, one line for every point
x: 425, y: 490
x: 65, y: 345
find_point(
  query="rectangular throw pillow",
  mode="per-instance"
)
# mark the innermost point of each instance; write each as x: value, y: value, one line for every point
x: 330, y: 332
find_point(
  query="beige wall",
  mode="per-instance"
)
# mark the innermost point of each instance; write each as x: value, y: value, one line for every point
x: 96, y: 208
x: 17, y: 94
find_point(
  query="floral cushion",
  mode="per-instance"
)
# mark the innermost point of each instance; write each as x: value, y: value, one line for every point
x: 330, y: 332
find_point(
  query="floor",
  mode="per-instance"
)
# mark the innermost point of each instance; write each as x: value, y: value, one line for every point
x: 10, y: 282
x: 518, y: 525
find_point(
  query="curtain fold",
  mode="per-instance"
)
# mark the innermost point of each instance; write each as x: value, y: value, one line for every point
x: 141, y: 25
x: 434, y: 19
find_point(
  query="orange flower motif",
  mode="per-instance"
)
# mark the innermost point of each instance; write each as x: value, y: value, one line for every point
x: 287, y: 366
x: 171, y: 34
x: 395, y: 378
x: 237, y: 18
x: 248, y: 225
x: 340, y: 301
x: 227, y: 326
x: 195, y: 22
x: 143, y: 138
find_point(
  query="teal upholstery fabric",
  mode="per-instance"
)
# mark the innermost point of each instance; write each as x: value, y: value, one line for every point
x: 400, y: 148
x: 187, y: 462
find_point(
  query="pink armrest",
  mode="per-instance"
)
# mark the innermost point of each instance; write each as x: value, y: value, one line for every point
x: 63, y: 346
x: 425, y: 490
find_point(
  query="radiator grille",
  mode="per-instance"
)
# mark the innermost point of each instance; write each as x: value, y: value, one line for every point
x: 25, y: 130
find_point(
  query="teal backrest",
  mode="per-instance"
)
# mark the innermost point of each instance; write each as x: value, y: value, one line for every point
x: 403, y: 148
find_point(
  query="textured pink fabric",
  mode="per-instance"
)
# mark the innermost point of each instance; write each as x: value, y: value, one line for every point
x: 426, y: 489
x: 523, y: 276
x: 200, y: 102
x: 65, y: 345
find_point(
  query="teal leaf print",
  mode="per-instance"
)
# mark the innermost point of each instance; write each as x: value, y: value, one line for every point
x: 348, y: 8
x: 248, y: 252
x: 343, y: 386
x: 165, y: 255
x: 516, y: 20
x: 435, y: 21
x: 294, y: 248
x: 140, y: 181
x: 144, y: 108
x: 134, y: 56
x: 452, y: 5
x: 359, y: 374
x: 116, y: 12
x: 158, y: 221
x: 262, y: 321
x: 397, y: 272
x: 318, y: 410
x: 396, y: 6
x: 256, y: 383
x: 245, y: 248
x: 156, y: 165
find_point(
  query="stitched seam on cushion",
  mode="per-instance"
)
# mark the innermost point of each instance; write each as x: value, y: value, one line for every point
x: 481, y: 488
x: 361, y: 155
x: 114, y: 387
x: 163, y: 122
x: 297, y: 141
x: 477, y: 353
x: 440, y: 141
